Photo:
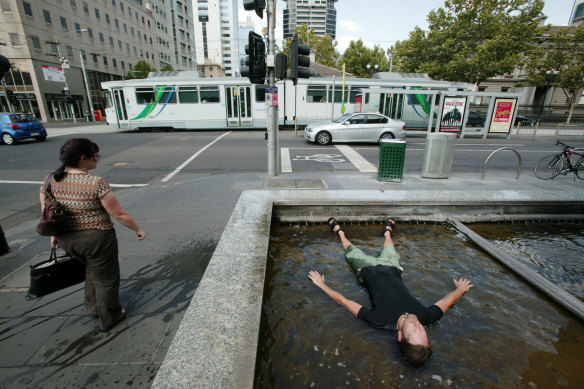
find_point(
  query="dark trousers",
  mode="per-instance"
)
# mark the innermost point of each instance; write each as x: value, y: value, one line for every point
x: 99, y: 251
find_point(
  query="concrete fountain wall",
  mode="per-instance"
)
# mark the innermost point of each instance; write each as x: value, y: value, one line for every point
x: 216, y: 343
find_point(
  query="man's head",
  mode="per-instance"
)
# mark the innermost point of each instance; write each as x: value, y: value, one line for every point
x: 413, y: 340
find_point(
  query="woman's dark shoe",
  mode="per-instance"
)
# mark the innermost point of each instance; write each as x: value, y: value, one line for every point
x: 122, y: 317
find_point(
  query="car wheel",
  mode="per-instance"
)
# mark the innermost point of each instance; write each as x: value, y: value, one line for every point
x: 323, y: 138
x: 41, y: 138
x: 7, y: 139
x: 386, y: 136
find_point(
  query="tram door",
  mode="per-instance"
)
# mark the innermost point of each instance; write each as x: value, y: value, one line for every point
x: 238, y: 102
x: 120, y: 106
x: 391, y: 105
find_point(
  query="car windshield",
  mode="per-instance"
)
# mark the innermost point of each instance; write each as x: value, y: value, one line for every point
x: 21, y: 118
x: 343, y: 118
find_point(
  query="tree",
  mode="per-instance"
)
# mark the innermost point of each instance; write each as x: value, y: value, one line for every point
x: 324, y: 46
x: 559, y: 61
x: 167, y: 68
x: 141, y: 70
x: 357, y: 56
x: 472, y: 40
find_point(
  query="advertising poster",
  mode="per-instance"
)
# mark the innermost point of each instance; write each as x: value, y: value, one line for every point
x: 52, y: 73
x: 452, y: 112
x: 502, y: 115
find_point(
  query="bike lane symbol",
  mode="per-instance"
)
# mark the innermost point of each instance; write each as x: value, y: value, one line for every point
x: 321, y: 158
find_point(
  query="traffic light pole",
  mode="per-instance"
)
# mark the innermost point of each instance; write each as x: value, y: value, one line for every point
x: 274, y: 164
x: 66, y: 84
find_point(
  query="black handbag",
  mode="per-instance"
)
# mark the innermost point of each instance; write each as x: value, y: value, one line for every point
x: 53, y: 217
x: 56, y: 273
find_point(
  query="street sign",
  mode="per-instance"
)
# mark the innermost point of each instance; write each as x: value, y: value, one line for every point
x: 272, y: 96
x: 52, y: 73
x: 64, y: 62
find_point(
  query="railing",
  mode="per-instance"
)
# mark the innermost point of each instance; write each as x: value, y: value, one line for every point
x: 569, y: 130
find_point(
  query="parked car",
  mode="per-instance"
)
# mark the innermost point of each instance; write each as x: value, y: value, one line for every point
x: 356, y: 127
x: 20, y: 126
x: 475, y: 119
x: 525, y: 121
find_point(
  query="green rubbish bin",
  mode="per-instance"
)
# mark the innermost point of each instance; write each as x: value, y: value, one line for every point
x: 391, y: 160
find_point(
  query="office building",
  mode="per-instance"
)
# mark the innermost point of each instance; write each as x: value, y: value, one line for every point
x: 49, y: 42
x: 319, y: 15
x: 216, y: 36
x: 577, y: 15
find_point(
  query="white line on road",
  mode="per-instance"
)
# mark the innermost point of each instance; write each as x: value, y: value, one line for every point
x: 185, y: 163
x: 356, y: 159
x: 40, y: 182
x: 285, y: 158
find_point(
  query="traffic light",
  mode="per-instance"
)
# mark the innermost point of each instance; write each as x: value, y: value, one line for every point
x: 255, y: 63
x: 4, y: 66
x: 257, y: 5
x: 299, y: 62
x: 11, y: 97
x: 281, y: 66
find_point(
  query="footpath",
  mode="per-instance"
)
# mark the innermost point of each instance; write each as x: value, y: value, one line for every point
x: 52, y: 342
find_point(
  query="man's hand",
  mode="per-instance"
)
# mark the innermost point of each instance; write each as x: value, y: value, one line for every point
x: 462, y: 285
x: 316, y: 278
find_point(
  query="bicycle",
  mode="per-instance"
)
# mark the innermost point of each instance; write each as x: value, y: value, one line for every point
x: 569, y: 159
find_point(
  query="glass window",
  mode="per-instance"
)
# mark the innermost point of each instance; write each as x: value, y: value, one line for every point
x: 375, y: 119
x: 5, y: 6
x: 78, y: 28
x: 117, y: 23
x: 357, y: 119
x: 166, y: 94
x: 260, y: 92
x: 27, y: 8
x: 73, y: 4
x: 90, y: 33
x: 63, y: 23
x: 114, y: 63
x: 96, y: 13
x: 355, y: 91
x: 85, y: 7
x: 14, y: 39
x: 101, y: 38
x: 36, y: 43
x: 338, y: 93
x: 54, y: 49
x: 47, y: 16
x: 107, y: 18
x: 188, y: 94
x: 69, y: 51
x: 105, y: 60
x: 316, y: 94
x: 144, y: 95
x: 210, y: 94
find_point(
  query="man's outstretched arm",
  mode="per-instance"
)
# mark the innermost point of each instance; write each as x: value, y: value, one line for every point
x: 462, y: 286
x: 318, y: 280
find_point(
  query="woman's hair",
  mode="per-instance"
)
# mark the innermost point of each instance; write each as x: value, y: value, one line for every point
x: 415, y: 354
x: 71, y: 153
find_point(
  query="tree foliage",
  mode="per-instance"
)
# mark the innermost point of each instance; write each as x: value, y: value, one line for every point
x: 324, y: 46
x: 357, y: 56
x: 559, y: 61
x: 141, y: 70
x: 472, y: 40
x: 167, y: 68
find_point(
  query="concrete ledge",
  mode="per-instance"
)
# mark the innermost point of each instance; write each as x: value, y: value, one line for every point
x: 216, y: 343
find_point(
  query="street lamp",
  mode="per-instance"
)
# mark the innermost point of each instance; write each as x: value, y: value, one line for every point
x: 371, y: 71
x: 65, y: 66
x: 89, y: 100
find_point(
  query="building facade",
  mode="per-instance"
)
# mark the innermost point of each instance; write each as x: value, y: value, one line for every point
x: 216, y: 35
x: 577, y: 15
x: 55, y: 45
x: 319, y: 15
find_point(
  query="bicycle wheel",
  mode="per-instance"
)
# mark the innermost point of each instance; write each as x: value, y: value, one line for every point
x: 580, y: 167
x: 549, y: 167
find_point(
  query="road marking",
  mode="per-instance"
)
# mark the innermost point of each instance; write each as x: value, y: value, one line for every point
x: 40, y: 183
x: 328, y: 158
x: 356, y: 159
x: 285, y: 158
x: 185, y: 163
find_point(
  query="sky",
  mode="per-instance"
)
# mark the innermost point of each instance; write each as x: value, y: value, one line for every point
x: 383, y: 22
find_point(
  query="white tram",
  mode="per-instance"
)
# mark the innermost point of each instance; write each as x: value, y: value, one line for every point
x: 182, y: 100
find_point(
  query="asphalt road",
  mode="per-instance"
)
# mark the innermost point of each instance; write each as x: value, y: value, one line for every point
x: 172, y: 157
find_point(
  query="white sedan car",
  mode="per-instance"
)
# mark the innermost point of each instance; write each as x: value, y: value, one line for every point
x: 356, y: 127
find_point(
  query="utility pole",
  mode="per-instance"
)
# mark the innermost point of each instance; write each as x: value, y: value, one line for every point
x: 274, y: 164
x: 56, y: 43
x: 89, y: 99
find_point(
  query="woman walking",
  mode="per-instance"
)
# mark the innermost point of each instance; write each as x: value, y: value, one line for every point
x: 89, y: 235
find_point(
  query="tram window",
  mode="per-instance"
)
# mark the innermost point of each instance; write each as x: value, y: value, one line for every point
x: 260, y: 91
x: 338, y: 94
x: 316, y: 94
x: 145, y: 95
x: 188, y: 94
x: 167, y: 94
x: 210, y: 94
x: 355, y: 91
x: 366, y: 98
x: 109, y: 103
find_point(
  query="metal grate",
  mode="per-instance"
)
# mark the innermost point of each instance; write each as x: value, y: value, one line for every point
x: 391, y: 160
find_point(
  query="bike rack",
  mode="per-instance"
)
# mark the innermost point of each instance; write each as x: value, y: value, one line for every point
x: 496, y: 151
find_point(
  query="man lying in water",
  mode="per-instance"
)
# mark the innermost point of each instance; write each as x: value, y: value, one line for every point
x: 393, y: 306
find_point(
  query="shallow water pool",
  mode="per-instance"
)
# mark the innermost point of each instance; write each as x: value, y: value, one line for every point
x: 503, y: 333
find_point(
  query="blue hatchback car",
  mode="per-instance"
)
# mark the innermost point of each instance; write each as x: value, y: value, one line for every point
x: 20, y: 126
